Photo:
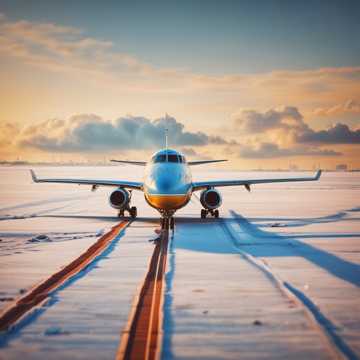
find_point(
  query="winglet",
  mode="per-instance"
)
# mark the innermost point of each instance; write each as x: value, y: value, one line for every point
x: 34, y: 178
x: 318, y: 174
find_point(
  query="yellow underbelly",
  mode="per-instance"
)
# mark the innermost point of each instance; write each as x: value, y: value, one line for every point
x: 167, y: 202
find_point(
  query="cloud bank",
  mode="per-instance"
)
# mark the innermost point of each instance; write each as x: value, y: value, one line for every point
x: 261, y: 135
x: 282, y: 132
x: 92, y: 133
x: 349, y: 106
x: 271, y: 150
x: 288, y: 120
x: 337, y: 134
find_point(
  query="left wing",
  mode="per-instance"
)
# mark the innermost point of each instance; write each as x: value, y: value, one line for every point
x: 247, y: 183
x: 95, y: 183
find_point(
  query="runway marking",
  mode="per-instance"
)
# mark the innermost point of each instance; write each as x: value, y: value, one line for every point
x: 142, y: 336
x: 323, y: 325
x: 41, y: 292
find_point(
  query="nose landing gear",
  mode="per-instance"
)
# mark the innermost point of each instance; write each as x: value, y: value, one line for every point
x: 204, y: 212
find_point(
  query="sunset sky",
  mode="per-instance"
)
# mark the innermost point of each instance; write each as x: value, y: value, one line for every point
x: 263, y: 83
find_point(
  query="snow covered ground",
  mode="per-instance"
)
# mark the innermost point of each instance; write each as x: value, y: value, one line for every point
x: 277, y: 277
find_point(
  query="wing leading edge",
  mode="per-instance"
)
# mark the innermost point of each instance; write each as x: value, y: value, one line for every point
x: 247, y: 183
x: 95, y: 183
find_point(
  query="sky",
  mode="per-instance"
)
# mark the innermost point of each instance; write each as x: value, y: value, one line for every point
x: 267, y: 84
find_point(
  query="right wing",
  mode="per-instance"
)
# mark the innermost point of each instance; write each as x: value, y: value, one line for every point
x: 95, y: 183
x: 247, y: 183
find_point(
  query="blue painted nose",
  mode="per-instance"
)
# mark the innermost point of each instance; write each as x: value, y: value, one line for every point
x: 165, y: 183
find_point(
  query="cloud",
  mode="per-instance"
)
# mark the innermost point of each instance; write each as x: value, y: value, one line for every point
x: 189, y: 151
x: 8, y: 132
x: 251, y: 121
x: 92, y: 133
x: 337, y: 134
x: 288, y: 123
x: 271, y: 150
x: 63, y: 48
x: 60, y: 48
x: 349, y: 106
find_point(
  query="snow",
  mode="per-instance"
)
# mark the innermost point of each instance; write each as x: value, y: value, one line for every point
x: 226, y: 294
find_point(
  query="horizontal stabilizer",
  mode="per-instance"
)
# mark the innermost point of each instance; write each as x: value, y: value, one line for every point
x: 201, y: 162
x: 138, y: 163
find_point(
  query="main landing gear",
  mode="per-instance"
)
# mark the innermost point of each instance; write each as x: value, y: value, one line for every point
x: 132, y: 212
x: 214, y: 213
x: 167, y: 222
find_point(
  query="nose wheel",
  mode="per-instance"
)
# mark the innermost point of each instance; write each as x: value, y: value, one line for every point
x: 205, y: 212
x: 167, y: 223
x: 133, y: 212
x: 172, y: 223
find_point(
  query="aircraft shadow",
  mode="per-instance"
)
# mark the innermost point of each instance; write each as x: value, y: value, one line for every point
x: 203, y: 236
x: 257, y: 242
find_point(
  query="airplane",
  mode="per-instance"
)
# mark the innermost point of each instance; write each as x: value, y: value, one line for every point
x: 168, y: 186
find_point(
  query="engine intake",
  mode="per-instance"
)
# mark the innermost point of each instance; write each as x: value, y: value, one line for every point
x: 210, y: 199
x: 119, y: 198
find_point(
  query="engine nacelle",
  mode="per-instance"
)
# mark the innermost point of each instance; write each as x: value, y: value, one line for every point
x: 210, y: 199
x: 119, y: 198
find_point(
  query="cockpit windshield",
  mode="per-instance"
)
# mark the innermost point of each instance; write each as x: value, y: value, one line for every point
x: 173, y: 158
x: 159, y: 158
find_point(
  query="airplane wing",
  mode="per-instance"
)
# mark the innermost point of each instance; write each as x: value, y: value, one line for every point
x: 247, y: 183
x: 95, y: 183
x: 204, y: 162
x: 139, y: 163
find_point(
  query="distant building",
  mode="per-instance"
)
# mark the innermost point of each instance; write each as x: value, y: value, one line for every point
x: 341, y: 167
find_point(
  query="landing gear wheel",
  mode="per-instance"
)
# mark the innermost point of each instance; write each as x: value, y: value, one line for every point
x: 133, y: 212
x: 172, y: 223
x: 203, y: 213
x: 164, y: 222
x: 216, y: 213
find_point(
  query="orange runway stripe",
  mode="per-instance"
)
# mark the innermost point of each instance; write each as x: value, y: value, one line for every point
x: 142, y: 337
x: 40, y: 292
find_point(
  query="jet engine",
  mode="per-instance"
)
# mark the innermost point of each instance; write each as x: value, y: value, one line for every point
x: 210, y: 199
x: 119, y: 198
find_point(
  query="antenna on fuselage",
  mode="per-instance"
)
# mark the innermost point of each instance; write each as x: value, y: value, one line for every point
x: 166, y: 138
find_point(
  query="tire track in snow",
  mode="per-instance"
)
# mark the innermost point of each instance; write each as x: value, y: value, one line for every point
x: 142, y: 337
x: 325, y: 327
x: 21, y: 306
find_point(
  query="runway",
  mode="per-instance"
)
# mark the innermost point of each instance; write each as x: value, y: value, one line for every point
x: 277, y: 276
